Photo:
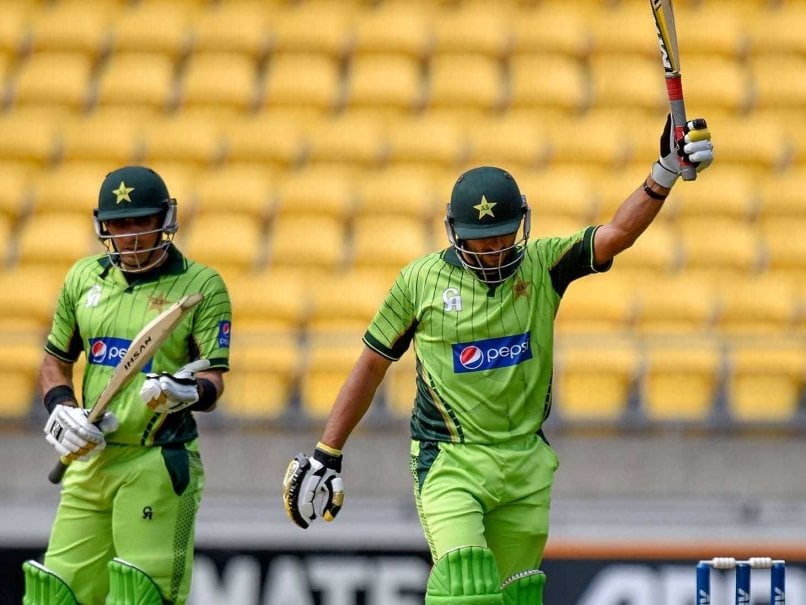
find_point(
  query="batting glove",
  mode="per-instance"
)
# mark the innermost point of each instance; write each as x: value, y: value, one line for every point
x: 695, y: 147
x: 73, y: 436
x: 169, y: 393
x: 312, y: 486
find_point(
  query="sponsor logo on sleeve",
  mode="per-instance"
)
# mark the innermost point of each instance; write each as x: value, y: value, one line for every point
x: 224, y: 328
x: 110, y: 351
x: 491, y: 353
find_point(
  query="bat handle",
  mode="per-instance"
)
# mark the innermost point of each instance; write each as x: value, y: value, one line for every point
x: 674, y: 90
x: 55, y: 475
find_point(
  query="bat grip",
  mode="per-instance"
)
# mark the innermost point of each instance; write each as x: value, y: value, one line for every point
x: 674, y: 90
x: 55, y: 475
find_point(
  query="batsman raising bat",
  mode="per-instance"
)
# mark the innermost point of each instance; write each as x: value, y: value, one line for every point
x: 480, y: 314
x: 123, y: 532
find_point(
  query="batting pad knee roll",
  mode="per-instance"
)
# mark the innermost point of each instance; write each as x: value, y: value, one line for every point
x: 524, y: 588
x: 466, y: 575
x: 45, y: 587
x: 129, y: 584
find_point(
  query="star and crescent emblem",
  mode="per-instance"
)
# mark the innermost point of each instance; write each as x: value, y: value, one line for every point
x: 122, y: 193
x: 485, y: 208
x: 521, y: 288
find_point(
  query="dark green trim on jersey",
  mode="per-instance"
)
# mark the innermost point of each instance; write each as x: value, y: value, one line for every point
x: 574, y: 263
x: 422, y: 463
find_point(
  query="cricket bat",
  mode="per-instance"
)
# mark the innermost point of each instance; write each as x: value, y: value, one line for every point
x: 670, y: 57
x: 142, y: 348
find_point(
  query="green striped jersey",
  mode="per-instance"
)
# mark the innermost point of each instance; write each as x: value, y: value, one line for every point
x: 99, y: 312
x: 483, y: 355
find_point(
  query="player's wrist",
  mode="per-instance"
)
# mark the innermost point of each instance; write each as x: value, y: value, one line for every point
x: 208, y: 395
x: 61, y: 394
x: 329, y: 457
x: 664, y: 177
x: 655, y: 190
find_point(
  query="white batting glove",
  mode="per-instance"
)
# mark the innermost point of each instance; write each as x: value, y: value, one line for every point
x: 312, y: 487
x: 75, y: 437
x: 695, y: 146
x: 169, y: 393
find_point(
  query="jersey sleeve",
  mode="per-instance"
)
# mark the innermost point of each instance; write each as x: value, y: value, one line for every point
x: 64, y: 339
x: 572, y: 257
x: 212, y: 324
x: 391, y: 330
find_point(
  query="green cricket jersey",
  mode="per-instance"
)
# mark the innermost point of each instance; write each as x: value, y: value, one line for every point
x: 99, y: 311
x: 484, y: 354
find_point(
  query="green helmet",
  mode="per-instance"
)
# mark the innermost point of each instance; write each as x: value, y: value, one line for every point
x: 130, y: 192
x: 486, y: 203
x: 134, y: 192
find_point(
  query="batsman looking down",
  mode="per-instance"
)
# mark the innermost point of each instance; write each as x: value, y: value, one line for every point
x: 123, y: 532
x: 480, y: 314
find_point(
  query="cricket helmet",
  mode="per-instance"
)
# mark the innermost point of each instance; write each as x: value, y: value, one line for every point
x: 136, y: 192
x: 485, y: 203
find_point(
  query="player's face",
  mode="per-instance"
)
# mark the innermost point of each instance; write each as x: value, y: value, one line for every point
x: 135, y: 239
x: 490, y: 251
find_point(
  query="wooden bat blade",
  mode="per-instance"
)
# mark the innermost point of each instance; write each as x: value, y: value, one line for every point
x: 142, y: 348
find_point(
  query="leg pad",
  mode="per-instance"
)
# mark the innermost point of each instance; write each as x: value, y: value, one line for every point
x: 524, y: 588
x: 44, y: 587
x: 130, y: 585
x: 465, y: 576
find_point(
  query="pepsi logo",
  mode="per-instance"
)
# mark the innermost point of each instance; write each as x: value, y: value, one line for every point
x: 471, y: 357
x: 98, y: 350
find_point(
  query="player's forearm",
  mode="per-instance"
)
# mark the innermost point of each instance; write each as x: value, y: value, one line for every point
x: 53, y: 372
x: 354, y: 398
x: 631, y: 219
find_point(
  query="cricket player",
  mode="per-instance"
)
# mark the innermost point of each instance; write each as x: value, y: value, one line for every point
x: 124, y: 529
x: 480, y: 314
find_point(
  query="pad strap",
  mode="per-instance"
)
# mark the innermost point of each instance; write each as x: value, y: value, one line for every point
x: 45, y: 587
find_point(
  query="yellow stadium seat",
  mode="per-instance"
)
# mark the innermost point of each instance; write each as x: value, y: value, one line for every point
x: 307, y: 242
x: 590, y: 138
x: 772, y: 140
x: 781, y: 196
x: 317, y: 190
x: 14, y: 27
x: 5, y: 239
x: 779, y: 81
x: 388, y: 241
x: 766, y: 380
x: 220, y: 80
x: 152, y: 27
x: 110, y: 138
x: 472, y: 27
x: 53, y: 78
x: 384, y: 81
x: 400, y: 386
x: 596, y: 304
x: 264, y: 378
x: 595, y: 379
x: 710, y: 199
x: 29, y: 137
x: 427, y: 141
x: 403, y: 28
x: 723, y: 245
x: 562, y: 191
x: 268, y: 140
x: 185, y: 138
x: 312, y: 27
x: 238, y: 189
x: 779, y: 31
x: 350, y: 139
x: 656, y: 251
x: 69, y: 188
x: 89, y: 30
x: 28, y: 295
x: 451, y: 86
x: 729, y: 39
x: 20, y: 357
x: 151, y: 88
x: 674, y: 304
x: 55, y: 240
x: 718, y: 82
x: 550, y: 81
x: 230, y: 242
x: 785, y: 243
x: 681, y: 380
x: 541, y: 30
x: 16, y: 182
x: 239, y: 26
x: 511, y: 140
x: 302, y: 80
x: 627, y: 81
x: 400, y: 190
x: 269, y: 302
x: 345, y: 302
x: 328, y: 363
x: 622, y: 28
x: 762, y: 305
